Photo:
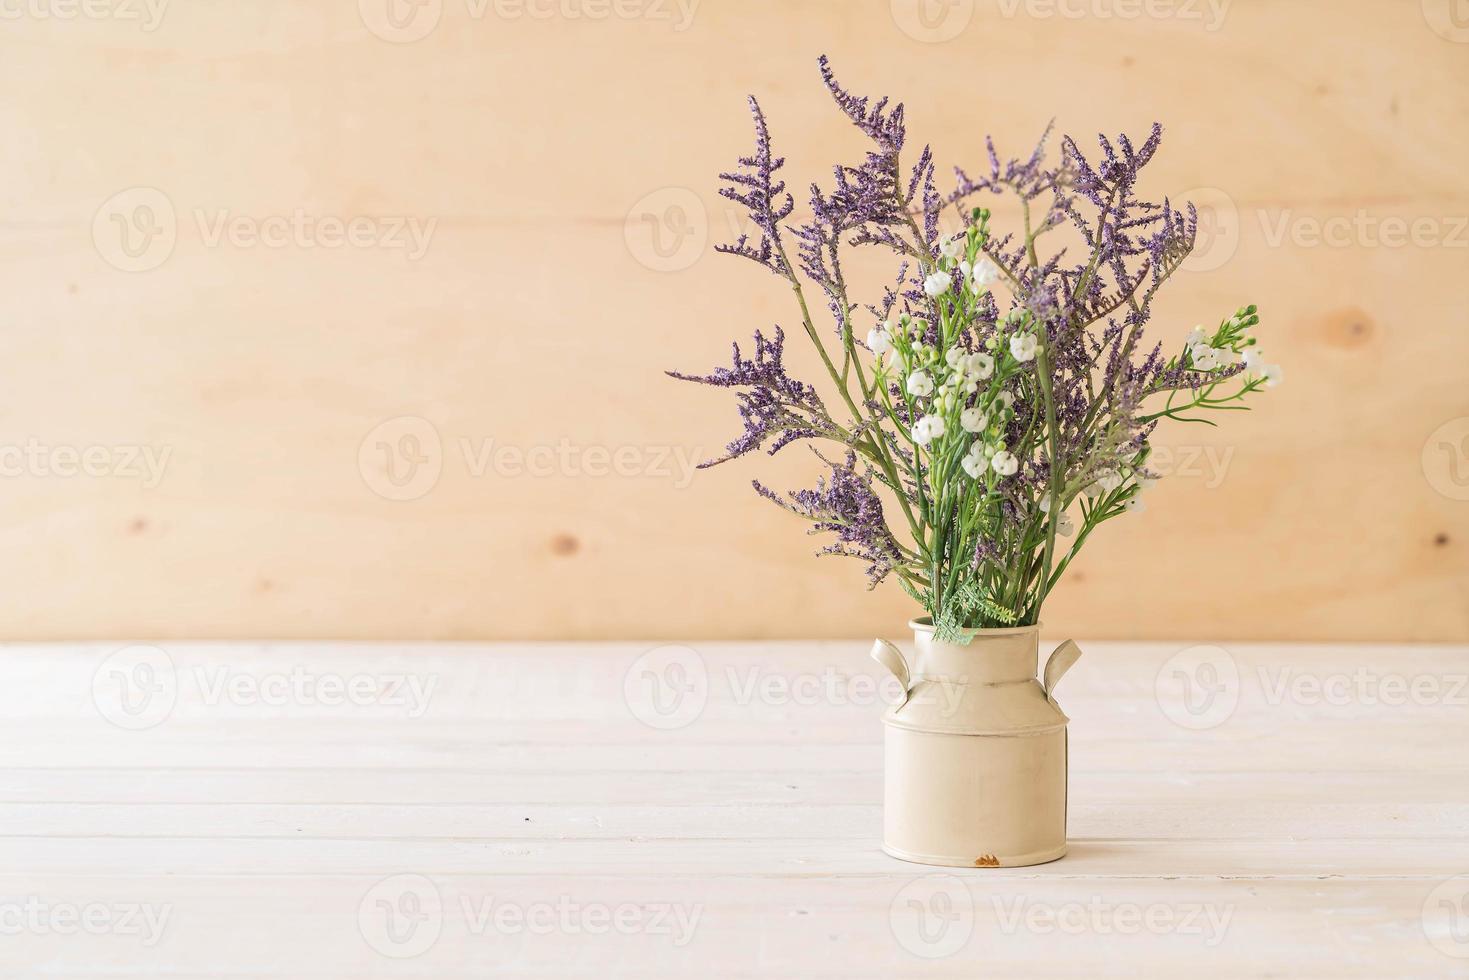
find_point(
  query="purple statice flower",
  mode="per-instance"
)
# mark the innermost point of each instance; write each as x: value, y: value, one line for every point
x: 775, y: 406
x: 984, y: 418
x: 763, y: 195
x: 845, y: 504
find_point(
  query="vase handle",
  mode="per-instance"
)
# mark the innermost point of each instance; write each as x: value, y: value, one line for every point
x: 891, y: 657
x: 1060, y: 662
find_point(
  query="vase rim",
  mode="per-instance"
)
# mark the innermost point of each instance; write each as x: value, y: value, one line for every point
x: 924, y: 624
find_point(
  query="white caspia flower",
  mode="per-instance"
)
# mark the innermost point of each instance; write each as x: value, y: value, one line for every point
x: 920, y: 384
x: 1022, y: 347
x: 1109, y: 480
x: 1205, y: 358
x: 953, y: 248
x: 981, y: 273
x: 1252, y: 358
x: 938, y: 283
x: 973, y: 420
x: 927, y: 429
x: 954, y: 358
x: 1004, y: 462
x: 1273, y: 374
x: 1006, y: 399
x: 1147, y: 483
x: 1196, y: 336
x: 879, y: 340
x: 979, y: 366
x: 1135, y: 506
x: 1064, y: 525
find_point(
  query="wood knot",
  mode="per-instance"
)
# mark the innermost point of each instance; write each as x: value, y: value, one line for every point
x: 1348, y: 329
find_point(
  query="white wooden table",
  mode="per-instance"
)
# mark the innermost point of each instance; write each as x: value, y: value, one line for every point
x: 456, y: 810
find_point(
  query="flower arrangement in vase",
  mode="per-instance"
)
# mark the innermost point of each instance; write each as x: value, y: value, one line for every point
x: 996, y: 404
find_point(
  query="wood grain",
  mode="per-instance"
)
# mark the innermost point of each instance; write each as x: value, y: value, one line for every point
x: 540, y: 156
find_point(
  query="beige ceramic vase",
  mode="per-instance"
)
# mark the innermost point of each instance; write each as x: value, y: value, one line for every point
x: 975, y: 770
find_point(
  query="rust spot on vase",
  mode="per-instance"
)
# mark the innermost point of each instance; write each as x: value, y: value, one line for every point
x: 565, y: 544
x: 1441, y: 539
x: 986, y: 861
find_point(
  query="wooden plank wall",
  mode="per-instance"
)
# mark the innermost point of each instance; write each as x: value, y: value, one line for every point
x: 255, y: 253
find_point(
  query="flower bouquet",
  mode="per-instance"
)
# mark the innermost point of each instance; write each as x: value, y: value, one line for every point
x: 997, y: 398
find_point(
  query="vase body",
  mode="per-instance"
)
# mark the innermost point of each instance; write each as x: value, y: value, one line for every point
x: 975, y: 755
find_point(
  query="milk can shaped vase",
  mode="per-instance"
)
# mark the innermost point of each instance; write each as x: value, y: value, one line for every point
x: 975, y: 767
